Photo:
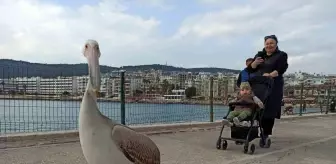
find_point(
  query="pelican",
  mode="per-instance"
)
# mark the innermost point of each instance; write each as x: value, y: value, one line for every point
x: 104, y: 141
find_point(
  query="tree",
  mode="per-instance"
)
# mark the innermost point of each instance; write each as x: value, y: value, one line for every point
x: 150, y: 89
x: 66, y: 93
x: 3, y: 86
x: 138, y: 92
x: 146, y: 82
x: 101, y: 94
x: 24, y: 86
x: 12, y: 93
x: 165, y: 86
x: 190, y: 92
x: 157, y: 79
x: 170, y: 88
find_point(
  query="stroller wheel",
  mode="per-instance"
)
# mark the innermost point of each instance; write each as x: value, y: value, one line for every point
x: 246, y: 148
x: 224, y: 145
x: 265, y: 144
x: 219, y: 143
x: 252, y: 149
x: 249, y: 148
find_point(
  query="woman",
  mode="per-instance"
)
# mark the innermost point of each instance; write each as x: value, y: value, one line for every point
x: 271, y: 62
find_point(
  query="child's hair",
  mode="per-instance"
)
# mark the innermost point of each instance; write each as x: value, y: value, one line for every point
x: 245, y: 85
x: 249, y: 60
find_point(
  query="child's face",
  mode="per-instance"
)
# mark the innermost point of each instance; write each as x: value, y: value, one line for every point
x: 245, y: 91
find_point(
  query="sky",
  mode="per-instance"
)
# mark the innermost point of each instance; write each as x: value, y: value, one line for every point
x: 184, y: 33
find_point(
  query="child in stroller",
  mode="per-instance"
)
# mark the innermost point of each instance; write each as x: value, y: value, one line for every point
x: 261, y: 87
x: 240, y: 113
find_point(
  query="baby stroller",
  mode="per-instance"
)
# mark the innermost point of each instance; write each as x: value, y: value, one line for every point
x: 262, y: 87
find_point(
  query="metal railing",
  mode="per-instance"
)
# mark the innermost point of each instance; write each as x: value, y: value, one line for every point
x: 40, y: 103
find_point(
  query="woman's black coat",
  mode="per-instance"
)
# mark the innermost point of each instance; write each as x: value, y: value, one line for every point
x: 276, y: 61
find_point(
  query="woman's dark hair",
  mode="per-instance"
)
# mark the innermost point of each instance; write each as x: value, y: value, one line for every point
x: 271, y: 37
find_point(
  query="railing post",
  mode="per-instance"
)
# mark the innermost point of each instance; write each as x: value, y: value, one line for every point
x: 122, y: 97
x: 226, y: 90
x: 328, y: 99
x: 211, y: 100
x: 301, y: 99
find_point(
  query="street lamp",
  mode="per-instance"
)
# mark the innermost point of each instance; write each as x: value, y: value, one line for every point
x: 300, y: 77
x: 301, y: 96
x: 328, y: 98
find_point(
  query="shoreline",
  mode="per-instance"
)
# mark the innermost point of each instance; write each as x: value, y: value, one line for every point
x: 79, y: 98
x: 187, y: 102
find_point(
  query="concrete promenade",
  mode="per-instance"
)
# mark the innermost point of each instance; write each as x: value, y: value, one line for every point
x: 310, y: 140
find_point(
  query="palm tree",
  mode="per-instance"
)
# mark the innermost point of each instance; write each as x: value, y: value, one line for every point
x: 145, y: 82
x: 16, y: 88
x: 165, y: 86
x: 24, y: 86
x: 3, y: 86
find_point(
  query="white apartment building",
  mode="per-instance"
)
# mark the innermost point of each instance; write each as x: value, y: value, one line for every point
x: 111, y: 85
x: 177, y: 95
x: 221, y: 86
x: 135, y: 83
x: 203, y: 87
x: 80, y: 84
x: 40, y: 85
x: 292, y: 82
x: 57, y: 85
x: 106, y: 86
x: 315, y: 81
x: 116, y: 87
x: 24, y: 85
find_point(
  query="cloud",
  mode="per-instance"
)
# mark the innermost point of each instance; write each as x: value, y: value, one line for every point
x: 161, y: 4
x: 303, y: 27
x: 45, y: 32
x: 210, y: 34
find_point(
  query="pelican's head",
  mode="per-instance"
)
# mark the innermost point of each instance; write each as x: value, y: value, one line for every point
x: 92, y: 53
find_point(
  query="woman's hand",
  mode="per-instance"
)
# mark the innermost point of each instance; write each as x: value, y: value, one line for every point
x: 272, y: 74
x: 256, y: 62
x: 267, y: 74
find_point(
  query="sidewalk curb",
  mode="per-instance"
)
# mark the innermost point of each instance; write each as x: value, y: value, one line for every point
x: 44, y: 138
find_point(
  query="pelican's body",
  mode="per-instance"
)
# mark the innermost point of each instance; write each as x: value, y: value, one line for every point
x: 95, y: 133
x: 104, y: 141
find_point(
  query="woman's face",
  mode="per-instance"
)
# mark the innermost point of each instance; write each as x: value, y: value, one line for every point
x: 270, y: 45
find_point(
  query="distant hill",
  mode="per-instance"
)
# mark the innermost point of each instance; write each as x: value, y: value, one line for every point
x: 167, y: 68
x: 13, y: 68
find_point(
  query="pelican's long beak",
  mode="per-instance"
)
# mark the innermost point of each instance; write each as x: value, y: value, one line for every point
x: 94, y: 69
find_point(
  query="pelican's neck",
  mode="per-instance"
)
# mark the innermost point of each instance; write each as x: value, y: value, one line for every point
x: 89, y: 90
x: 89, y: 104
